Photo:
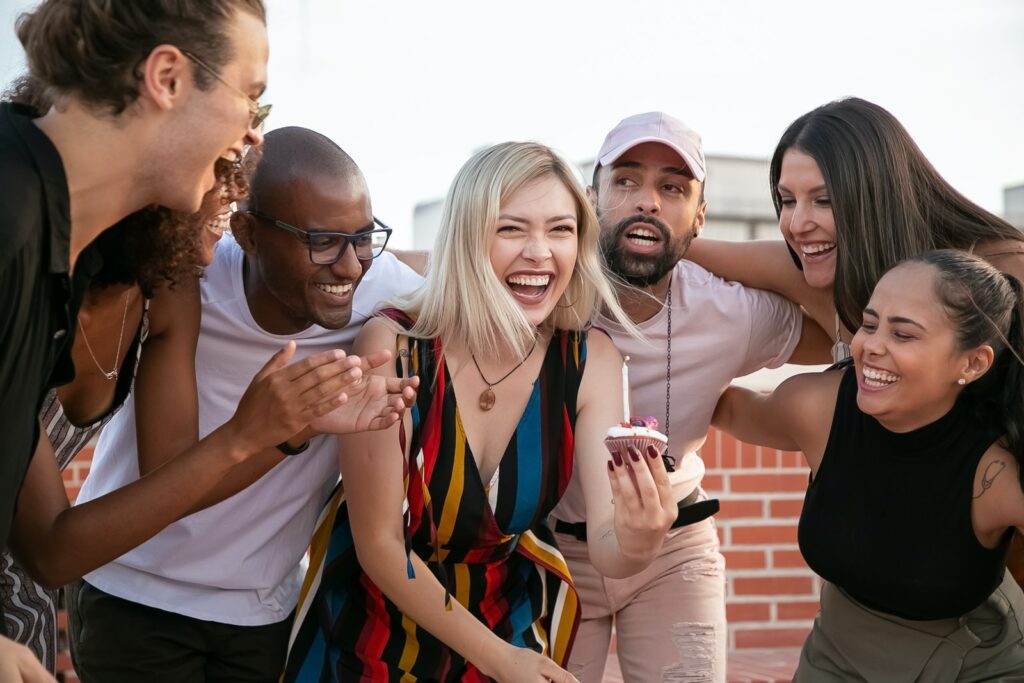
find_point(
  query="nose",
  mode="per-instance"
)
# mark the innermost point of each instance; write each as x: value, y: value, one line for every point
x: 254, y: 136
x: 348, y: 266
x: 537, y: 249
x: 800, y: 220
x: 873, y: 344
x: 647, y: 200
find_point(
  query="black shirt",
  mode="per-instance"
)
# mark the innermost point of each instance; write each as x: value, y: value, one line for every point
x: 887, y: 517
x: 39, y: 300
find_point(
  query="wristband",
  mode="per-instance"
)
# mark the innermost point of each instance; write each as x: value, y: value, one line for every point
x: 287, y: 449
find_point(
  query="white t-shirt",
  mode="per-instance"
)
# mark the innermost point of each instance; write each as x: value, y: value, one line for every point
x: 720, y: 330
x: 237, y: 562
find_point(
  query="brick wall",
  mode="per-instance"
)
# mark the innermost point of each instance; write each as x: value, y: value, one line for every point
x: 771, y: 595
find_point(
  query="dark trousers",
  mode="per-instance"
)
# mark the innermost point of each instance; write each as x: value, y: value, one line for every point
x: 118, y: 641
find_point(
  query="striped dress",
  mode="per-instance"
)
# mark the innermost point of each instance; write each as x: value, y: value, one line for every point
x: 488, y: 543
x: 30, y: 611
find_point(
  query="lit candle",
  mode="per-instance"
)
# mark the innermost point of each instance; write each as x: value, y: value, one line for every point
x: 625, y: 390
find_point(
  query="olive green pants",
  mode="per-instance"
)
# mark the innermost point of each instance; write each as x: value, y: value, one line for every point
x: 850, y: 642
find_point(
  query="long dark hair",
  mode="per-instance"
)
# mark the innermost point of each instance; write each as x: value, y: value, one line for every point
x: 888, y: 201
x: 986, y: 306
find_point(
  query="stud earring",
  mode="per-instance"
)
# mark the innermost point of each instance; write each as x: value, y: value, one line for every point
x: 961, y: 381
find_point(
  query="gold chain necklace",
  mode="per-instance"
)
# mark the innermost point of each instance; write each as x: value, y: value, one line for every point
x: 117, y: 356
x: 487, y: 395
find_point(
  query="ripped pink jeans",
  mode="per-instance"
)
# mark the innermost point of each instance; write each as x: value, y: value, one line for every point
x: 669, y: 619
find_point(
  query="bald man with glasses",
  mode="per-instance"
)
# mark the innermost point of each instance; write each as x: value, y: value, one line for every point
x: 210, y: 598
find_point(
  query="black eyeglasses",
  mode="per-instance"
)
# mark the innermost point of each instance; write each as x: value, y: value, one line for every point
x: 326, y: 248
x: 259, y: 112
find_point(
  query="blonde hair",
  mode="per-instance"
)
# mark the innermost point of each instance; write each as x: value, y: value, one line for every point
x: 462, y: 297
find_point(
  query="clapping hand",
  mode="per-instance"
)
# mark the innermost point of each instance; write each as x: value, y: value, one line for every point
x: 372, y: 401
x: 644, y: 504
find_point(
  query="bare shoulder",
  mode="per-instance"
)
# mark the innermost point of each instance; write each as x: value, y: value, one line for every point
x: 377, y: 333
x: 174, y: 304
x: 601, y: 348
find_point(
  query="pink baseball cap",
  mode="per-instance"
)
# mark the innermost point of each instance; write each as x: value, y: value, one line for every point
x: 654, y: 126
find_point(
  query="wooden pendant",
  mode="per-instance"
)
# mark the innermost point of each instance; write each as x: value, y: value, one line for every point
x: 486, y: 399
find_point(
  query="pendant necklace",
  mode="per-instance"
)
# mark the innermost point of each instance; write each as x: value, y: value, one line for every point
x: 117, y: 356
x: 486, y: 399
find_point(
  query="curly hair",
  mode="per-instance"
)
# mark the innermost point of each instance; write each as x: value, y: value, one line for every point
x: 156, y: 245
x: 93, y: 49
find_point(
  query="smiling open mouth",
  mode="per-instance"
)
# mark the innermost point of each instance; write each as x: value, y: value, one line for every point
x: 643, y: 237
x: 528, y: 286
x: 336, y: 290
x: 817, y: 248
x: 879, y: 379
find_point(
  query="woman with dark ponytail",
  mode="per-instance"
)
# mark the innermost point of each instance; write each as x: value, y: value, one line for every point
x: 915, y: 450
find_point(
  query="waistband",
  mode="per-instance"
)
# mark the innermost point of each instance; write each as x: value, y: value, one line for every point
x: 691, y: 510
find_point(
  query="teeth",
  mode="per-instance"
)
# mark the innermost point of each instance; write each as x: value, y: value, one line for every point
x: 879, y: 378
x: 645, y: 233
x: 219, y: 223
x: 335, y: 289
x: 530, y: 280
x: 817, y: 248
x: 229, y: 156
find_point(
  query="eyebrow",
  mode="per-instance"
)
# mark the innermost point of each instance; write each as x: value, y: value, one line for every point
x: 896, y: 319
x: 670, y: 170
x: 553, y: 219
x: 818, y: 188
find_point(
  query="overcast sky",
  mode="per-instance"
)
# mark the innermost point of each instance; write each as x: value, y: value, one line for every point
x: 411, y: 88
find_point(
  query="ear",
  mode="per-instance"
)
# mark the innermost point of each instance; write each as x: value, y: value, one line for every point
x: 166, y: 74
x: 698, y: 220
x: 592, y: 196
x: 243, y: 229
x: 977, y: 362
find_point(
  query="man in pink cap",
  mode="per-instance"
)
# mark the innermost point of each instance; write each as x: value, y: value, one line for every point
x: 701, y: 332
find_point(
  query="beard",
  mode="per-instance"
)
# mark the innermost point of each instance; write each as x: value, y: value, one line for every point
x: 642, y: 270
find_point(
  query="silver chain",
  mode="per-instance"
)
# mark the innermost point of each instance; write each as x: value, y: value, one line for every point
x: 117, y: 356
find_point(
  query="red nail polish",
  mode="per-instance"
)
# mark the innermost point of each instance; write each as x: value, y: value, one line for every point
x: 617, y: 457
x: 652, y: 453
x: 611, y: 466
x: 634, y: 453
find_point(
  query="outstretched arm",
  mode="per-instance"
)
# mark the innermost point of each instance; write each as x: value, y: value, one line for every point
x: 372, y: 468
x: 797, y: 416
x: 623, y: 536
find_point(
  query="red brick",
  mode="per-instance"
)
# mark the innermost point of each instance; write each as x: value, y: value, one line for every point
x: 788, y: 559
x: 792, y: 459
x: 64, y: 662
x: 791, y: 611
x: 786, y: 508
x: 763, y: 535
x: 773, y: 585
x: 732, y: 509
x: 767, y: 483
x: 748, y: 456
x: 721, y: 534
x: 713, y: 483
x: 770, y: 637
x: 727, y: 452
x: 747, y: 611
x: 770, y: 458
x: 745, y: 559
x: 72, y: 493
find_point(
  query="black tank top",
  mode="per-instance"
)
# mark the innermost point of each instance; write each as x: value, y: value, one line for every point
x: 888, y: 516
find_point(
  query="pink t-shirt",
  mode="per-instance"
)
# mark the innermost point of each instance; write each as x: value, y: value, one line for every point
x: 720, y: 330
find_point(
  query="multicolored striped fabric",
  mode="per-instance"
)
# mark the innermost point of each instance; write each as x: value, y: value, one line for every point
x: 488, y: 543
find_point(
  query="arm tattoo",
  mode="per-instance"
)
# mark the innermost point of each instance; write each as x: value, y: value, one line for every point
x: 992, y: 471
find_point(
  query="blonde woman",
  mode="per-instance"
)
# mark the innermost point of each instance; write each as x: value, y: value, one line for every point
x: 440, y: 564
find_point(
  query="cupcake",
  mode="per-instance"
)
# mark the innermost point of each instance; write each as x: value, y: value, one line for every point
x: 638, y: 432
